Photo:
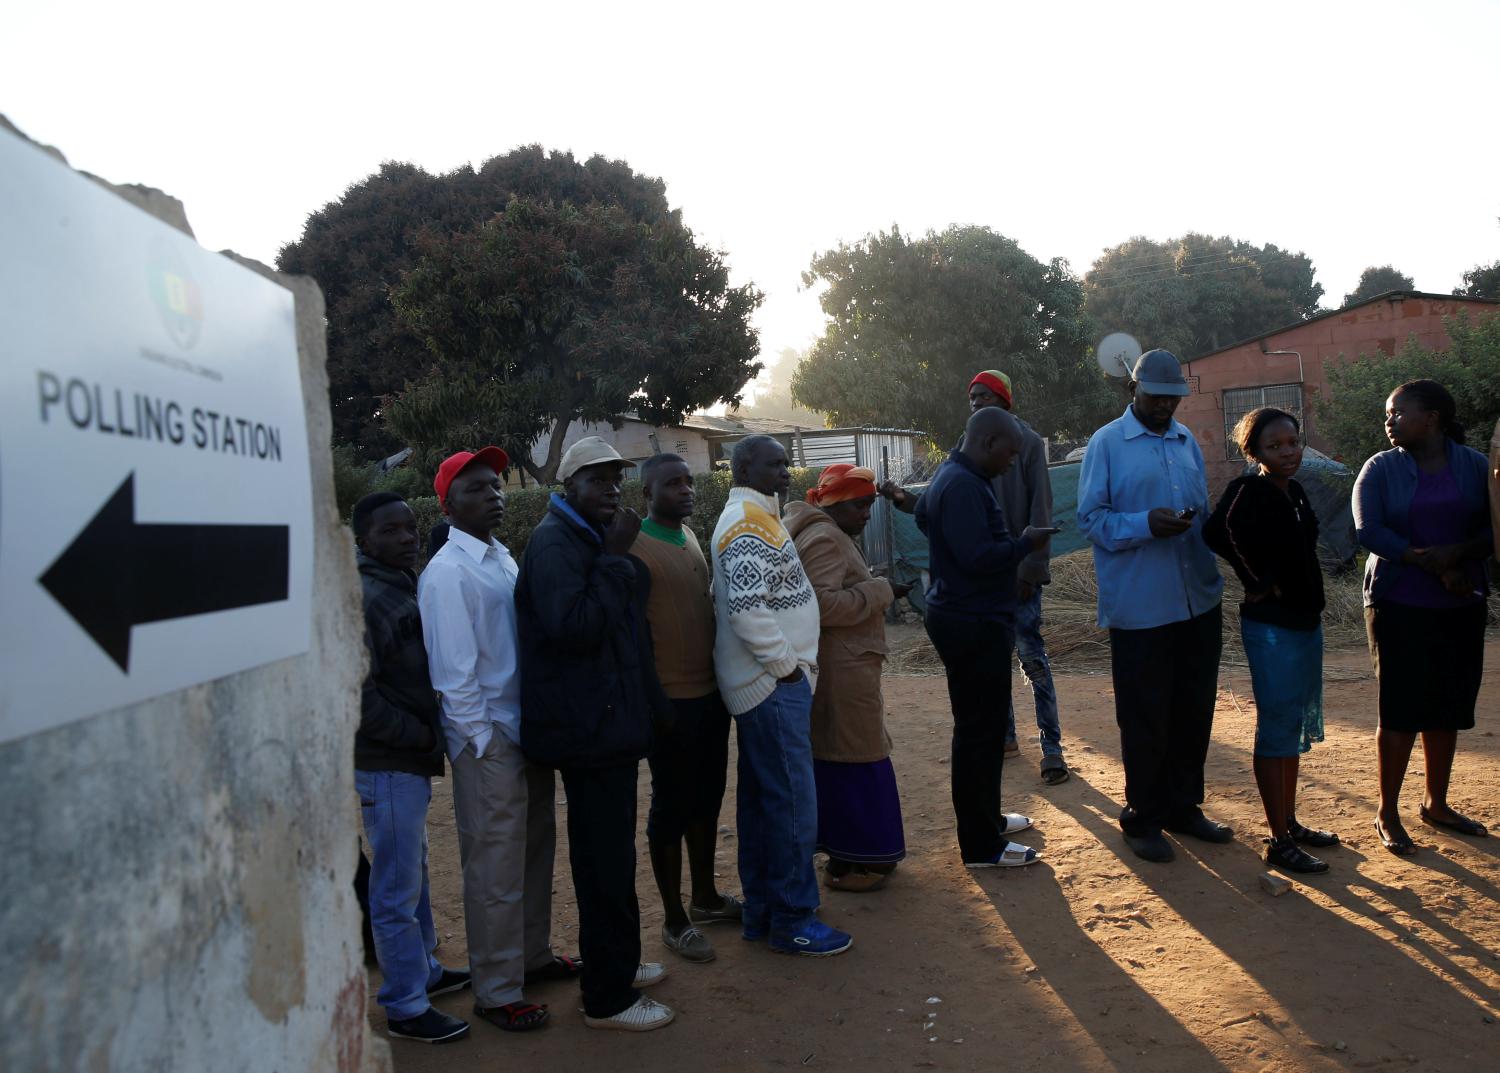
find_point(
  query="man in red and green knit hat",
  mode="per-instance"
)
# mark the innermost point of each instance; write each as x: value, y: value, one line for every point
x: 1025, y: 495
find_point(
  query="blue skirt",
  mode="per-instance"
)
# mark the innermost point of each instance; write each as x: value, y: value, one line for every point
x: 1286, y: 671
x: 859, y: 812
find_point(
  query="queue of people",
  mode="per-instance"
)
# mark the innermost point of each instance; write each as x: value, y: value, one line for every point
x: 615, y: 639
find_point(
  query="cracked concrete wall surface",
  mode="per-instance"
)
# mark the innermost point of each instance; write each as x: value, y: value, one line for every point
x: 176, y: 892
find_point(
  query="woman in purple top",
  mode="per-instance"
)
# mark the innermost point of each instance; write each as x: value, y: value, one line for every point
x: 1422, y: 510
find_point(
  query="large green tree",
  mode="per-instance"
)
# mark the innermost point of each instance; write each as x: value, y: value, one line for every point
x: 359, y: 246
x: 911, y: 320
x: 551, y: 311
x: 1377, y: 280
x: 1351, y: 414
x: 1481, y: 281
x: 1195, y: 294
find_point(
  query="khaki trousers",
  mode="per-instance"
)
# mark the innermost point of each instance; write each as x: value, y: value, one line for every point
x: 507, y: 838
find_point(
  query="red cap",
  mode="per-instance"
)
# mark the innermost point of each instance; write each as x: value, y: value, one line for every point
x: 997, y: 382
x: 455, y: 464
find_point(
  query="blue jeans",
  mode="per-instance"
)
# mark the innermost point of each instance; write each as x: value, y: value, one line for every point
x: 394, y: 807
x: 778, y: 810
x: 1038, y: 672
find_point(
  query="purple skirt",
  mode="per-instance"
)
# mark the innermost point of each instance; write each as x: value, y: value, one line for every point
x: 859, y: 812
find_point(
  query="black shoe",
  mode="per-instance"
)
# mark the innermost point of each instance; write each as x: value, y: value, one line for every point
x: 1201, y: 827
x: 430, y: 1026
x: 451, y: 980
x: 1286, y: 854
x: 1151, y: 847
x: 1309, y: 837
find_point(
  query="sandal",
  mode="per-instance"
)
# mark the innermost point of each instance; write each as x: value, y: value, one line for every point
x: 514, y: 1016
x: 1285, y: 853
x: 1401, y: 847
x: 1460, y: 823
x: 1054, y: 770
x: 1015, y: 823
x: 559, y: 968
x: 1014, y: 855
x: 1310, y: 837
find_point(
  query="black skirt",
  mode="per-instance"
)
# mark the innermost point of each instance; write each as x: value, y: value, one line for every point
x: 1429, y: 662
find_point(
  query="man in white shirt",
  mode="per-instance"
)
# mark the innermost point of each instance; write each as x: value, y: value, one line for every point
x: 503, y: 805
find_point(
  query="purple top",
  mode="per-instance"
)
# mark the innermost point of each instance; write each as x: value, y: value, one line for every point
x: 1438, y: 516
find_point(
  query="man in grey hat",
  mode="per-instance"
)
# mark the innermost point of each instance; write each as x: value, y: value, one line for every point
x: 588, y: 697
x: 1142, y: 501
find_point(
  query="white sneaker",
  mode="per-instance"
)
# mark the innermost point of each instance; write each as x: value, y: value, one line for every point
x: 645, y: 1015
x: 650, y: 972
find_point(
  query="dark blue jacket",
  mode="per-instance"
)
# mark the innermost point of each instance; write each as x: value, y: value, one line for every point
x: 1382, y: 510
x: 588, y: 684
x: 973, y: 556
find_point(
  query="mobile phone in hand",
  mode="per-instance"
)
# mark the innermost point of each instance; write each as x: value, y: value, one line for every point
x: 1187, y: 515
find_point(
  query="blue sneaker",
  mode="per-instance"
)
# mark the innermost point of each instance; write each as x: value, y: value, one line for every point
x: 814, y: 939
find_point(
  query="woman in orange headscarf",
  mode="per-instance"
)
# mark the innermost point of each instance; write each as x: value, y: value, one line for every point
x: 859, y: 809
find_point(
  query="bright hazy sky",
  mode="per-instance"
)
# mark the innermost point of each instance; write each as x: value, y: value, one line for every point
x: 1359, y: 133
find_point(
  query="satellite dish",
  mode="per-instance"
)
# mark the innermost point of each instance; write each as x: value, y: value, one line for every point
x: 1117, y: 353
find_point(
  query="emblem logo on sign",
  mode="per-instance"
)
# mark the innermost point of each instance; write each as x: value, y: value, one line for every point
x: 175, y: 294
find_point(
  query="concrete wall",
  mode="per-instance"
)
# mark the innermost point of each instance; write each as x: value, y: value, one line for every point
x: 1380, y: 327
x: 176, y: 886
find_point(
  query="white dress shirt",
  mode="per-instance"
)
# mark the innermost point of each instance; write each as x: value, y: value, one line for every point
x: 467, y: 596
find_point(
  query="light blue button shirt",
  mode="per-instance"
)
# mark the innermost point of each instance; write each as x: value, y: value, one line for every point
x: 1146, y: 581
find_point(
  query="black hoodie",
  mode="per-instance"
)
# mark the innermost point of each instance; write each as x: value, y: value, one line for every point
x: 400, y: 723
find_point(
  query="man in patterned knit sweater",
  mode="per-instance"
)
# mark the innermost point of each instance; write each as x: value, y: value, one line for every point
x: 765, y: 659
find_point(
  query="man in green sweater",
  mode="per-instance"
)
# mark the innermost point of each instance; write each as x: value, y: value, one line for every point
x: 689, y: 762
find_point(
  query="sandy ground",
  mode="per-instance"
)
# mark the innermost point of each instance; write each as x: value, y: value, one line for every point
x: 1092, y: 959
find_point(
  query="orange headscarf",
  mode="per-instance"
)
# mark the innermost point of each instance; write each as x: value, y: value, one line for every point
x: 841, y: 482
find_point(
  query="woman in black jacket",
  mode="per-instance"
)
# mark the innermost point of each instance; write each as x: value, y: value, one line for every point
x: 1264, y: 526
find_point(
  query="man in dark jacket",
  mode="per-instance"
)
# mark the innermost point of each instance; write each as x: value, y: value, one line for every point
x: 587, y: 692
x: 971, y: 615
x: 397, y: 751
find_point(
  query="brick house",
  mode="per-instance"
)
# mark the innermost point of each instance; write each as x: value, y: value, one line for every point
x: 1288, y: 367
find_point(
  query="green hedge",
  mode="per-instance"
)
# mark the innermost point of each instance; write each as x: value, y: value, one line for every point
x: 525, y: 507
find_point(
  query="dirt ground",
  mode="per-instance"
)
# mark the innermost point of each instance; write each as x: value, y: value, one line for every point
x: 1092, y: 959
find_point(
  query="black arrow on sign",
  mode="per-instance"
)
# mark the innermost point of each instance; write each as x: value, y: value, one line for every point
x: 118, y: 574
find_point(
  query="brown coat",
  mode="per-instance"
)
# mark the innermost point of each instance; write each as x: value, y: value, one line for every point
x: 848, y: 711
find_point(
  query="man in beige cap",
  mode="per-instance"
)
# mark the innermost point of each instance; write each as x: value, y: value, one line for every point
x: 588, y: 698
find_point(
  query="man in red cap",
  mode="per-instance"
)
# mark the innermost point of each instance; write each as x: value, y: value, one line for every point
x: 503, y: 805
x: 1025, y: 497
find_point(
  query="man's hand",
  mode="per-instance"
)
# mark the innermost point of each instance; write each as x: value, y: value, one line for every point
x: 1441, y: 559
x: 1457, y: 582
x: 1025, y: 590
x: 892, y: 491
x: 1040, y: 538
x: 901, y: 588
x: 794, y: 677
x: 1165, y: 523
x: 621, y: 531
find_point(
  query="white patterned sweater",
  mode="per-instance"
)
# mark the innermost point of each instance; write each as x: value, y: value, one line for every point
x: 766, y: 610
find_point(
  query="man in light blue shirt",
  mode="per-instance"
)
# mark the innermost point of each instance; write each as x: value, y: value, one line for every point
x: 1142, y: 501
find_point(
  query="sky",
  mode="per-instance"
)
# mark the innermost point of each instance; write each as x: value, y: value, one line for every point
x: 1359, y: 133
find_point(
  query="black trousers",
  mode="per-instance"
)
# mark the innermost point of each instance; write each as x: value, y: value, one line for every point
x: 601, y: 851
x: 1166, y: 681
x: 977, y: 658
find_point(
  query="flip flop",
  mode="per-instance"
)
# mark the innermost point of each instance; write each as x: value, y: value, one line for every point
x: 1014, y: 855
x: 1015, y: 823
x: 1401, y: 847
x: 1054, y: 770
x: 1460, y: 823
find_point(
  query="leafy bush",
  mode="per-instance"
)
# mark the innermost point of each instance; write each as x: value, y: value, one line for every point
x: 353, y: 478
x: 1352, y: 413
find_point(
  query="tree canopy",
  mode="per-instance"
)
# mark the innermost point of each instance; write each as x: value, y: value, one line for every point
x: 1377, y: 280
x: 551, y: 311
x: 911, y: 320
x: 1481, y: 281
x: 360, y: 247
x: 1351, y: 415
x: 1198, y: 293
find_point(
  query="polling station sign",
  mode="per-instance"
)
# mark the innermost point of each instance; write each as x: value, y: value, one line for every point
x: 155, y: 492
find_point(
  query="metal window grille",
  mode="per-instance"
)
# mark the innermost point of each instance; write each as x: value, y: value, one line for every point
x: 1239, y: 401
